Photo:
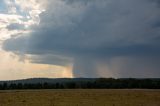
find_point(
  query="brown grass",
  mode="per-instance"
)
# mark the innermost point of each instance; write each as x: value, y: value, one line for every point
x: 84, y: 97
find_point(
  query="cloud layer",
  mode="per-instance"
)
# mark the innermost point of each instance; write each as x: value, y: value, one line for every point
x: 107, y: 38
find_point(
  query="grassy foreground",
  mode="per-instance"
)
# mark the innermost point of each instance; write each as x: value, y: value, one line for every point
x: 85, y: 97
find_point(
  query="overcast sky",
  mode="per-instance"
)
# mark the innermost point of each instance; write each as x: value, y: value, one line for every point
x: 79, y: 38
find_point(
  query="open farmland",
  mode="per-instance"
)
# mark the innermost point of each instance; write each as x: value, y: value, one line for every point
x: 80, y: 97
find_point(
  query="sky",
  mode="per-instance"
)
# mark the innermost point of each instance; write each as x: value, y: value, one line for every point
x: 79, y: 38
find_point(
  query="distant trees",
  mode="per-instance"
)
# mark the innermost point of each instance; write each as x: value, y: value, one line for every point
x: 4, y: 86
x: 98, y: 83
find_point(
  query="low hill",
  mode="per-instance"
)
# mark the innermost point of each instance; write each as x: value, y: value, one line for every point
x: 48, y: 80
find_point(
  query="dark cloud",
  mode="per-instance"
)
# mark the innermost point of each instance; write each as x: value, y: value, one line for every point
x: 90, y: 31
x: 51, y: 59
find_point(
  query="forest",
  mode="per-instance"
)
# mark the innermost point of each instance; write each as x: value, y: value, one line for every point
x: 82, y: 83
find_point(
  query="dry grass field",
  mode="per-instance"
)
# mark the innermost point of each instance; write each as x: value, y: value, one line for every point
x: 84, y: 97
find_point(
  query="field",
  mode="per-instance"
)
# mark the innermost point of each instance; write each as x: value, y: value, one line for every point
x: 84, y: 97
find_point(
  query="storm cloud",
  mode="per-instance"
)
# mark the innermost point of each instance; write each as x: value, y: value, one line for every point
x: 102, y: 38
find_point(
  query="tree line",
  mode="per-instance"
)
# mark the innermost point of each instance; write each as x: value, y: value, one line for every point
x: 99, y: 83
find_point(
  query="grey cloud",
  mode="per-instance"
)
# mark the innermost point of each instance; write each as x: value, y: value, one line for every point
x: 15, y: 26
x: 85, y: 67
x: 92, y: 30
x: 138, y: 67
x: 51, y: 59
